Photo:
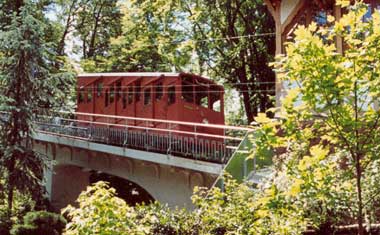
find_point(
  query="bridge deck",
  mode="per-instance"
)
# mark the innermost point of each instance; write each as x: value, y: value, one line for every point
x: 188, y: 145
x: 202, y: 166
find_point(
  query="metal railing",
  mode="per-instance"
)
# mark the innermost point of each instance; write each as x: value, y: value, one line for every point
x: 216, y: 143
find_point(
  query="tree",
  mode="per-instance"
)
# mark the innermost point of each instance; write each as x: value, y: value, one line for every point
x: 101, y: 212
x: 236, y: 210
x: 40, y: 222
x: 234, y: 40
x: 27, y: 89
x: 97, y: 21
x: 68, y: 10
x: 342, y: 89
x: 231, y: 40
x: 152, y: 39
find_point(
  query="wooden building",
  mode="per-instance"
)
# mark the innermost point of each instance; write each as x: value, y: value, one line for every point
x: 288, y: 14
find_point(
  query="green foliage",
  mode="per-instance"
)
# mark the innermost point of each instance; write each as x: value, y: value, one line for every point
x: 324, y: 146
x: 96, y: 22
x: 30, y: 85
x: 224, y: 48
x: 40, y: 222
x: 205, y: 37
x: 100, y: 212
x: 152, y: 39
x: 237, y: 210
x: 327, y: 141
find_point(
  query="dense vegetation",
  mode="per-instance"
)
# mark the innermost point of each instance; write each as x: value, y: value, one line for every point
x: 324, y: 145
x: 325, y: 148
x: 231, y: 41
x: 33, y: 81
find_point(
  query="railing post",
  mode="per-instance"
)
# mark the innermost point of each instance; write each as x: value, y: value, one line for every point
x: 170, y: 139
x: 147, y: 135
x: 91, y: 126
x: 224, y: 147
x: 126, y: 133
x: 108, y: 130
x: 196, y: 147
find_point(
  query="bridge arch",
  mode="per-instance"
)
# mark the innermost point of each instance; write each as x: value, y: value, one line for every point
x: 129, y: 191
x: 70, y: 180
x: 73, y: 167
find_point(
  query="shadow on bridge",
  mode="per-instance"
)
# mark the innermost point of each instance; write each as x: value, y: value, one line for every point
x: 129, y: 191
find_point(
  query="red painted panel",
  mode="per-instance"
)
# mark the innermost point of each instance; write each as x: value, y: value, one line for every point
x: 152, y: 95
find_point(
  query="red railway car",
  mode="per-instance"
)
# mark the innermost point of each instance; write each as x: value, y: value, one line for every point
x: 167, y: 96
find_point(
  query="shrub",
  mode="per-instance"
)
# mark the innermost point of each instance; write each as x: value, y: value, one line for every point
x: 40, y: 222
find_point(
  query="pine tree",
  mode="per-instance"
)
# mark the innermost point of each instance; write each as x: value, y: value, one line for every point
x: 27, y: 85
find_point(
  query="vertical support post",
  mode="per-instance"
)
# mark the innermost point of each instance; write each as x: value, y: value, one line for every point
x: 108, y: 130
x: 338, y: 40
x: 147, y: 135
x: 196, y: 145
x: 91, y: 126
x: 277, y: 19
x: 48, y: 178
x: 170, y: 139
x: 126, y: 133
x: 224, y: 149
x: 308, y: 13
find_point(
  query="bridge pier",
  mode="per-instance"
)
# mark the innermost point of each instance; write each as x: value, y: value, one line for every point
x: 70, y: 174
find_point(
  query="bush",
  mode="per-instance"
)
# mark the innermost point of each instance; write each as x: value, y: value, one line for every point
x: 40, y: 222
x: 5, y: 225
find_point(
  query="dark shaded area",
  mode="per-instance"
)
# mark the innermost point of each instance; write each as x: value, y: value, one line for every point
x: 131, y: 192
x: 40, y: 222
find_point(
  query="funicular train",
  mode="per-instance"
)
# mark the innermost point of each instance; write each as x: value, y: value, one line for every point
x: 138, y: 98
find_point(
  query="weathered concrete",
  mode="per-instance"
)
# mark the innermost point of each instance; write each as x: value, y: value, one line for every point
x: 166, y: 183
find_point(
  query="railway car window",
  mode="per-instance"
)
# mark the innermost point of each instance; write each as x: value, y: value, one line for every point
x: 216, y: 106
x: 118, y: 90
x: 112, y: 94
x: 159, y: 91
x: 80, y: 96
x: 201, y: 96
x: 187, y: 92
x: 106, y: 98
x: 171, y: 95
x: 147, y: 96
x: 89, y: 95
x: 124, y: 99
x: 99, y: 89
x: 130, y: 95
x: 137, y: 91
x: 215, y: 100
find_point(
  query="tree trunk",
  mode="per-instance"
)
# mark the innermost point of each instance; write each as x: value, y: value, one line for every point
x: 15, y: 132
x: 244, y: 90
x: 91, y: 48
x: 10, y: 189
x: 247, y: 105
x: 359, y: 192
x: 61, y: 45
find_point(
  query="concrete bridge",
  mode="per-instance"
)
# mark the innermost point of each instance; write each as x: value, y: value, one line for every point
x: 153, y: 162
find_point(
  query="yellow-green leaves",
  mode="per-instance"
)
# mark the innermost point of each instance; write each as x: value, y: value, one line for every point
x: 295, y: 188
x: 343, y: 3
x: 319, y: 151
x: 291, y: 97
x: 330, y: 114
x: 376, y: 22
x: 262, y: 118
x: 330, y: 18
x: 101, y: 212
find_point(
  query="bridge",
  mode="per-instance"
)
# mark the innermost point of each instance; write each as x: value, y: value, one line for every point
x: 156, y: 159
